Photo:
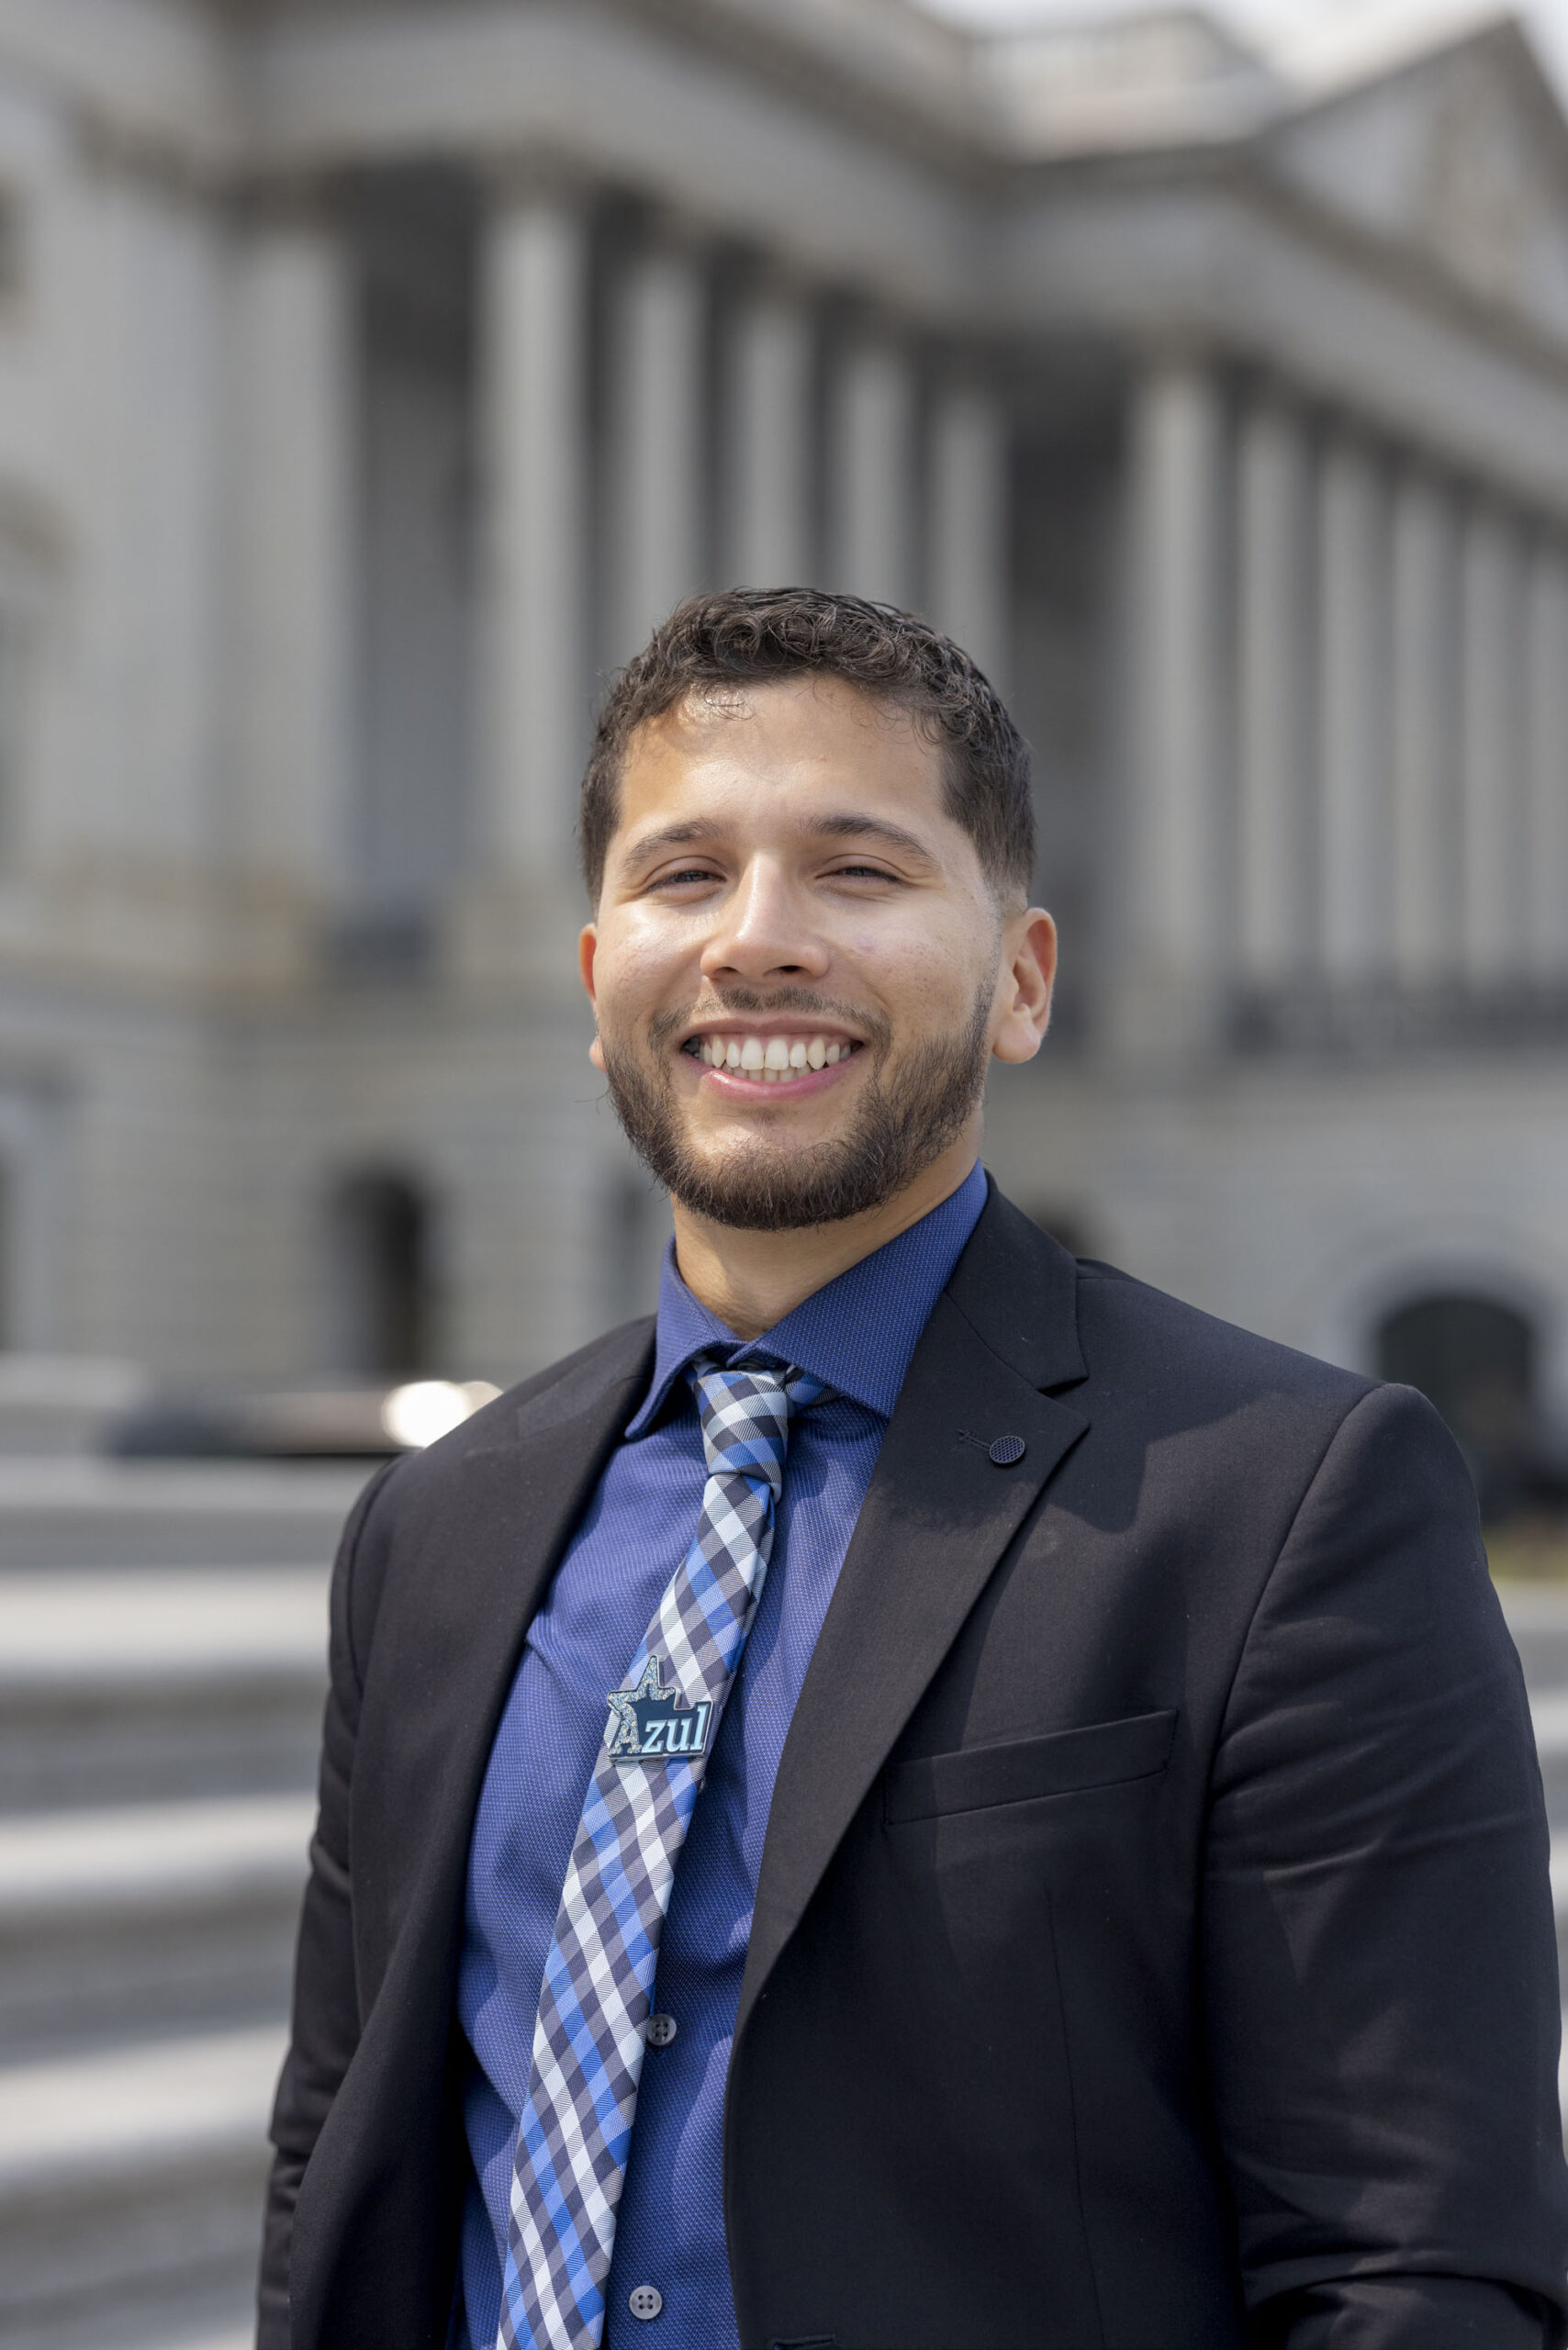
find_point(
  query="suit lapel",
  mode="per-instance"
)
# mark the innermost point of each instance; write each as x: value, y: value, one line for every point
x: 480, y: 1573
x: 518, y: 1504
x: 938, y: 1517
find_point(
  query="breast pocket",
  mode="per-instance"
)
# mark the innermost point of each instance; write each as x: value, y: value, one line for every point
x: 1061, y: 1763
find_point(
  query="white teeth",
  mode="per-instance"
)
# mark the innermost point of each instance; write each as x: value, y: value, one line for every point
x: 775, y: 1060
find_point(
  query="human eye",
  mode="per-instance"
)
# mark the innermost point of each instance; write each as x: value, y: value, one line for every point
x: 682, y: 877
x: 862, y: 871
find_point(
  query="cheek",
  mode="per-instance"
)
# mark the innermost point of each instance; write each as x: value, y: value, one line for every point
x: 637, y: 971
x: 928, y: 978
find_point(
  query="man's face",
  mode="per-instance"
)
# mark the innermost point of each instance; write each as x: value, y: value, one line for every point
x: 797, y: 967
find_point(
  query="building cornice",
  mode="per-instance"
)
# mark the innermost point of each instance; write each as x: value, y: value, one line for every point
x: 887, y: 178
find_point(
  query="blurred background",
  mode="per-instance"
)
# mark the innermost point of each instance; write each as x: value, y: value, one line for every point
x: 373, y: 376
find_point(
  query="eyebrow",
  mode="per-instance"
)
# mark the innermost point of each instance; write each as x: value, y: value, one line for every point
x: 688, y: 835
x: 849, y: 826
x: 877, y: 828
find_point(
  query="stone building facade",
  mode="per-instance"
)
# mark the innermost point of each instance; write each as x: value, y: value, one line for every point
x: 372, y: 373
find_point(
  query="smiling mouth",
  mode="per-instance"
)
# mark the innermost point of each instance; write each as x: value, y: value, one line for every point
x: 771, y: 1060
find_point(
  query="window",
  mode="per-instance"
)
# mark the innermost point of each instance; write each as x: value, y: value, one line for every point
x: 1474, y: 1358
x: 379, y: 1263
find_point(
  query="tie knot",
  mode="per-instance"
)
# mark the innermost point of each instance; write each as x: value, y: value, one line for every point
x: 745, y: 1409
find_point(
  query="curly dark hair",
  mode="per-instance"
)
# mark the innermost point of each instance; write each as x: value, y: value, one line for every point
x: 752, y: 636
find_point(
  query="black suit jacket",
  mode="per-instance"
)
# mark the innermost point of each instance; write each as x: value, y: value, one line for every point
x: 1153, y: 1946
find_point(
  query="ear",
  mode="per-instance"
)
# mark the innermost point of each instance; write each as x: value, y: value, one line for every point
x: 1028, y: 972
x: 587, y: 947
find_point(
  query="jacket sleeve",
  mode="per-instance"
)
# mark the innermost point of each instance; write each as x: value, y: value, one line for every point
x: 1379, y: 1955
x: 325, y: 2028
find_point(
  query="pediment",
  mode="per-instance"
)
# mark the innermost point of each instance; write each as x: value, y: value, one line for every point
x: 1462, y: 155
x: 1158, y: 76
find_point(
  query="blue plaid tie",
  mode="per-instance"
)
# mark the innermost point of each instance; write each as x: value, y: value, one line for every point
x: 575, y: 2125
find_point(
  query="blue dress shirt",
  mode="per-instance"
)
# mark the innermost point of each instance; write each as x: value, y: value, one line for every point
x: 858, y: 1334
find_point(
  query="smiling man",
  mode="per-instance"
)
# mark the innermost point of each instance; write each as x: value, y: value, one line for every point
x: 928, y: 1797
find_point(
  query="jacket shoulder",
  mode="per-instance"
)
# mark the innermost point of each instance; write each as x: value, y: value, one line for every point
x: 1133, y: 1330
x: 1068, y: 1323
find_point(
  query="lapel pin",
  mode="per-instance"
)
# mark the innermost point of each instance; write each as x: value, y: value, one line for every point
x: 648, y: 1720
x: 1005, y: 1449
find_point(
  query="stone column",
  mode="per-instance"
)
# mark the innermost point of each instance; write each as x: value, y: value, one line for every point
x: 1426, y: 802
x: 1353, y: 735
x: 969, y: 589
x: 1548, y: 722
x: 1172, y: 956
x: 657, y: 435
x: 768, y: 488
x: 534, y: 336
x: 1275, y: 861
x: 871, y: 476
x: 1491, y: 683
x: 295, y: 558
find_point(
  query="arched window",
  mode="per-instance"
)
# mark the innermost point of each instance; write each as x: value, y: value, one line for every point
x: 379, y: 1266
x: 1474, y: 1358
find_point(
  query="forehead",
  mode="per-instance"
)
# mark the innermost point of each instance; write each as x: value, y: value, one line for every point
x: 782, y: 753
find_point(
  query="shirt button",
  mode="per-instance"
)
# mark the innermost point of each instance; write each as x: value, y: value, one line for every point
x: 644, y: 2302
x: 661, y: 2031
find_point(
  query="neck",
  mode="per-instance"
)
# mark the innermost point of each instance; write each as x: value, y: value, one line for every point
x: 751, y: 1280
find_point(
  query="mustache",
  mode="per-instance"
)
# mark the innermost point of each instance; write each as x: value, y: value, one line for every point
x: 727, y: 1002
x: 910, y: 1108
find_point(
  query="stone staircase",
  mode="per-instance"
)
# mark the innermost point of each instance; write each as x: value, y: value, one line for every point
x: 161, y: 1666
x: 1538, y: 1618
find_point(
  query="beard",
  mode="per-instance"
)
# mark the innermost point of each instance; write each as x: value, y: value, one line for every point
x: 906, y: 1117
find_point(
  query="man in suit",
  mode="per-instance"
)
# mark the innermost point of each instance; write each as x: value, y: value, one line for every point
x: 930, y: 1798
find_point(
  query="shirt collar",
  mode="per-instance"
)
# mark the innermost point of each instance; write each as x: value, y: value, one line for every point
x: 858, y: 1333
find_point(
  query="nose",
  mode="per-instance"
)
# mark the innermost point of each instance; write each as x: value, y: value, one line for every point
x: 764, y: 931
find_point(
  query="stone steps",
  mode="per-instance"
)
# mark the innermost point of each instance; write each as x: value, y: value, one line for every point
x: 162, y: 1649
x: 130, y: 2183
x: 1538, y: 1618
x: 117, y: 1514
x: 151, y: 1915
x: 138, y: 1685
